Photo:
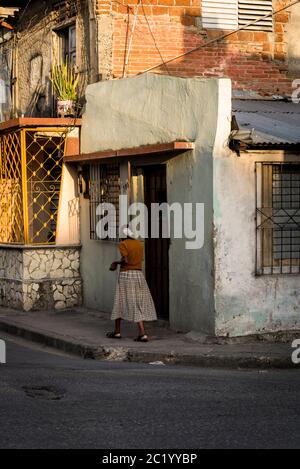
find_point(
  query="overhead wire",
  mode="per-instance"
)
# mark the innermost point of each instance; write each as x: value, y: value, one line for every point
x: 134, y: 11
x: 25, y: 9
x: 131, y: 37
x: 154, y: 39
x: 220, y: 38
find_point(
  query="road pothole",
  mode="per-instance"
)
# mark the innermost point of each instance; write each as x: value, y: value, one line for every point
x: 48, y: 393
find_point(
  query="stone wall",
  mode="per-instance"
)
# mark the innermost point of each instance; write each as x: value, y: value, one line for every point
x: 40, y: 278
x: 11, y: 288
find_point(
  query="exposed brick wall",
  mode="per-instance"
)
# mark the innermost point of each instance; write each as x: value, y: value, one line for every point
x: 253, y: 60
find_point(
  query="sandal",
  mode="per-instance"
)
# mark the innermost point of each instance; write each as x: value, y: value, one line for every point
x: 113, y: 335
x: 142, y: 338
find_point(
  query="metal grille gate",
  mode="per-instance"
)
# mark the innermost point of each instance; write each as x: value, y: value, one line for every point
x: 30, y: 181
x: 104, y: 187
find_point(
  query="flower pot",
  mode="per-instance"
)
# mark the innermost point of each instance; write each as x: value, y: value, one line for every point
x: 65, y: 108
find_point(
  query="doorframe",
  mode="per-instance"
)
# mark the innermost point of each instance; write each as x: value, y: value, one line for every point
x: 164, y: 266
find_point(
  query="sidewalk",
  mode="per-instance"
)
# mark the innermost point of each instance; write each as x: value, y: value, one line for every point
x: 82, y: 332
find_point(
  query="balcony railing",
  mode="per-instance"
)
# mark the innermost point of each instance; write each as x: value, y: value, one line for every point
x: 31, y: 161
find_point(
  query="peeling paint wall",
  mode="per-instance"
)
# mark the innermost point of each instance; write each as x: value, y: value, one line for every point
x: 245, y: 303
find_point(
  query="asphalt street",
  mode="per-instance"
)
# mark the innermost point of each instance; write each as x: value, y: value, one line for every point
x: 49, y: 400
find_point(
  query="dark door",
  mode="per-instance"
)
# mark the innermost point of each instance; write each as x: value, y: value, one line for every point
x: 157, y: 250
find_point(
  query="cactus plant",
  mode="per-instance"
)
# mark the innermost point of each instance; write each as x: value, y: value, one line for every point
x: 64, y: 81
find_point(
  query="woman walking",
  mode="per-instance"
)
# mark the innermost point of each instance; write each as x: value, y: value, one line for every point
x: 133, y: 300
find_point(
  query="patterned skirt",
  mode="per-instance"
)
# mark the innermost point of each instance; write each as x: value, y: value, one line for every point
x: 133, y: 300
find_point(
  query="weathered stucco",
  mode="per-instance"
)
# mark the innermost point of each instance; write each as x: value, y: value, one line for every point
x: 105, y: 46
x: 153, y: 109
x: 95, y: 258
x: 68, y: 217
x: 292, y: 38
x: 150, y: 109
x: 246, y: 303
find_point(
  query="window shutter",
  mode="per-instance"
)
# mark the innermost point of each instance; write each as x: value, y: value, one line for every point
x: 250, y: 10
x: 220, y: 14
x: 72, y: 45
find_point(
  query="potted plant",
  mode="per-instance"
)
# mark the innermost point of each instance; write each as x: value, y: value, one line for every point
x: 64, y: 81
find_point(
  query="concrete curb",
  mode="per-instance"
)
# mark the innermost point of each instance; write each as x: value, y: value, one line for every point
x: 124, y: 354
x: 217, y: 360
x: 65, y: 345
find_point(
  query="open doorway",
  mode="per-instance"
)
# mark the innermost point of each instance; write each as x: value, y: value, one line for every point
x: 157, y: 250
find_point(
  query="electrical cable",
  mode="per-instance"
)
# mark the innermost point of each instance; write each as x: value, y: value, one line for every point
x: 153, y: 37
x: 131, y: 37
x: 25, y: 9
x: 220, y: 38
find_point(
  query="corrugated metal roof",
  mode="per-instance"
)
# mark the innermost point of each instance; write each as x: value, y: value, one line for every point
x: 267, y: 123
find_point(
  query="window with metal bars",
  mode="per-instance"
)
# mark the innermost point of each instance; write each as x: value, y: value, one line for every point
x: 278, y: 218
x: 104, y: 187
x: 234, y: 14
